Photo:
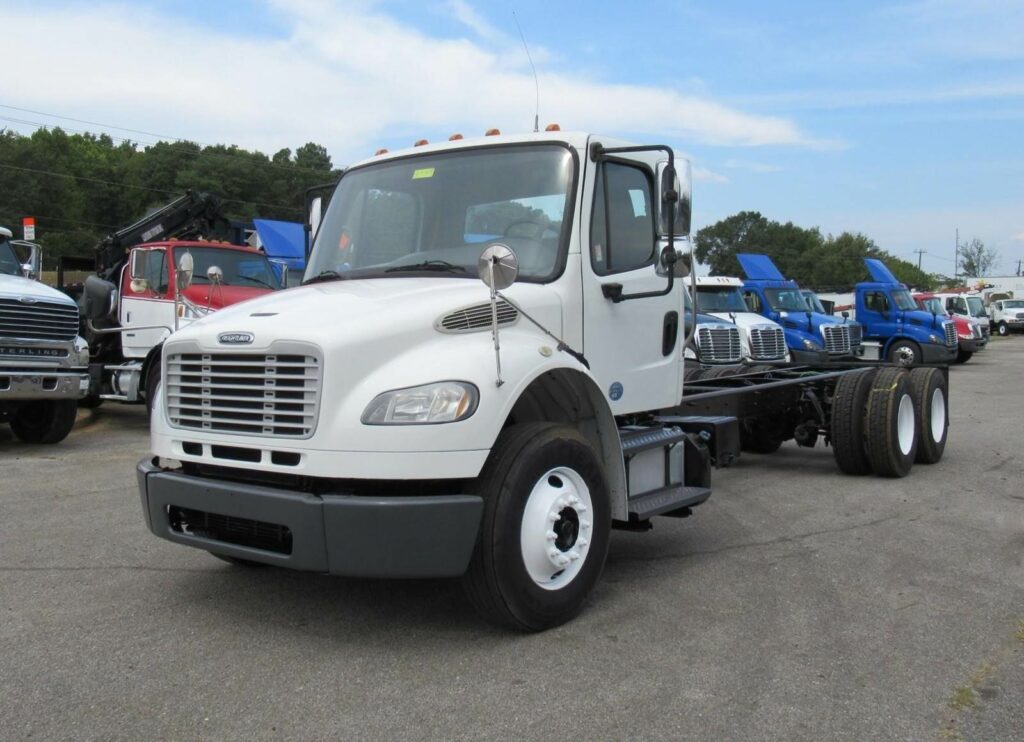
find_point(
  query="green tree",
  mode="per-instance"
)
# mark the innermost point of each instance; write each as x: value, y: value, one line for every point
x: 977, y: 260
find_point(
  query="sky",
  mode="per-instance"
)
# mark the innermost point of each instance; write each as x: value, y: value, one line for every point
x: 900, y: 120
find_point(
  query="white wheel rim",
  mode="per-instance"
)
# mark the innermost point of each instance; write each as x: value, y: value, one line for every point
x: 905, y: 424
x: 556, y: 530
x: 938, y: 415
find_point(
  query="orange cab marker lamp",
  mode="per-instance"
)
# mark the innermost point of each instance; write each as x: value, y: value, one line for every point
x: 454, y: 137
x: 492, y: 133
x: 381, y: 151
x: 552, y: 127
x: 420, y: 142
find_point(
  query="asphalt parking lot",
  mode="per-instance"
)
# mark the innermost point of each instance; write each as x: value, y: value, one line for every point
x: 796, y: 604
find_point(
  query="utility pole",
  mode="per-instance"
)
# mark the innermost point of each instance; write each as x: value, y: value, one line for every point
x: 956, y: 255
x: 919, y: 254
x: 1018, y: 267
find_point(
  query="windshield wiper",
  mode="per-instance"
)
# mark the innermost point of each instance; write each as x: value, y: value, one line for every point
x: 260, y: 281
x: 325, y: 276
x: 442, y: 266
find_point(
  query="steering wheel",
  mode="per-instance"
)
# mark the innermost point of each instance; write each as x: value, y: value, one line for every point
x: 537, y: 229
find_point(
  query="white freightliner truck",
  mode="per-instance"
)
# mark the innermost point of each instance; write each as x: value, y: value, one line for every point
x: 43, y: 361
x: 762, y: 340
x: 481, y: 377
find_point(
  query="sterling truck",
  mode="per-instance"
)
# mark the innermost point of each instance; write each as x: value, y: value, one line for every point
x: 482, y: 376
x: 43, y: 361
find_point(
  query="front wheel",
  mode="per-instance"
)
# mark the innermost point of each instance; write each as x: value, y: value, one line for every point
x: 152, y: 382
x: 45, y: 421
x: 545, y: 529
x: 1003, y: 329
x: 905, y: 353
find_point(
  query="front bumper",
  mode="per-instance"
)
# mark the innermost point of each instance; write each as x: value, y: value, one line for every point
x: 972, y: 345
x: 352, y: 535
x: 809, y: 357
x: 935, y: 353
x: 28, y: 384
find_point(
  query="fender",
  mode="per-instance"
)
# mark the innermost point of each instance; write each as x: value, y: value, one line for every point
x: 152, y: 357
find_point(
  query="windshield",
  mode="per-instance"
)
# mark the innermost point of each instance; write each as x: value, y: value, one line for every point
x: 1014, y: 304
x: 720, y: 299
x: 786, y: 300
x: 977, y: 306
x: 8, y: 260
x: 813, y: 302
x: 437, y: 213
x: 933, y: 305
x: 903, y: 300
x: 240, y: 268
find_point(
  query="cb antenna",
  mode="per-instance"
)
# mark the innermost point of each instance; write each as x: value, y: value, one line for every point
x: 536, y: 83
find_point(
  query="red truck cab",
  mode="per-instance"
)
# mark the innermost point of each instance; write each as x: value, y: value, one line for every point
x: 969, y: 333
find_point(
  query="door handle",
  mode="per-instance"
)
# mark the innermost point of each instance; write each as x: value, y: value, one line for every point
x: 669, y: 333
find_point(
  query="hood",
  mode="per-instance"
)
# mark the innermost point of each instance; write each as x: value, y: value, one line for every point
x: 759, y: 267
x: 747, y: 320
x: 15, y: 287
x: 218, y: 297
x: 362, y: 311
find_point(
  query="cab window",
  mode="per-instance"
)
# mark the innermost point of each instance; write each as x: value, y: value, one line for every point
x: 155, y: 270
x: 622, y: 225
x: 876, y: 301
x: 753, y: 300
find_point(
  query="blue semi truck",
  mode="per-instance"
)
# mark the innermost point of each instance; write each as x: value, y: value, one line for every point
x: 812, y: 337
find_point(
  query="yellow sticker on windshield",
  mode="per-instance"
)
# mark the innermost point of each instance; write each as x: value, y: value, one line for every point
x: 423, y: 172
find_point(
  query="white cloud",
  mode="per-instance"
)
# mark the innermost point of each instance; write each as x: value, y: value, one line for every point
x: 750, y: 166
x: 345, y: 75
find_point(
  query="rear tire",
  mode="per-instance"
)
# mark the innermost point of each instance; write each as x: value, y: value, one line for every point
x: 963, y: 356
x: 45, y: 421
x: 545, y: 529
x: 928, y: 387
x: 891, y: 424
x: 849, y: 406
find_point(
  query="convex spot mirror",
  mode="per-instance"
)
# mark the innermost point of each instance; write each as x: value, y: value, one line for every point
x: 498, y: 266
x: 137, y: 271
x: 186, y: 265
x: 215, y: 275
x: 675, y: 188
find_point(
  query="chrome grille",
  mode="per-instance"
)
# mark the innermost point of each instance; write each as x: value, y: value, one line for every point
x: 262, y: 394
x: 950, y: 329
x: 719, y: 344
x: 856, y: 335
x: 767, y: 344
x: 837, y: 339
x: 41, y: 320
x: 986, y: 331
x: 476, y: 317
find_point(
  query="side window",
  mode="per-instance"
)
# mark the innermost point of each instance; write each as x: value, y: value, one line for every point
x: 876, y: 301
x: 753, y: 301
x: 622, y: 238
x: 156, y: 270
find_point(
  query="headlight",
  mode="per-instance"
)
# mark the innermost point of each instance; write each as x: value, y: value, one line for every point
x: 441, y: 402
x: 811, y: 345
x: 936, y: 339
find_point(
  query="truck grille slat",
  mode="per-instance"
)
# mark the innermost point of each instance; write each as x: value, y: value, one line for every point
x: 950, y: 329
x: 719, y: 344
x: 767, y: 344
x: 43, y: 320
x: 837, y: 339
x: 260, y: 394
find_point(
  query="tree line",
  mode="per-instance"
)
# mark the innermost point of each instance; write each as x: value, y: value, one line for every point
x: 82, y: 187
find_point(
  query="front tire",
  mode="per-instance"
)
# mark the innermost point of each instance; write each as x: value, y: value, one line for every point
x: 545, y: 529
x: 45, y: 421
x: 905, y: 353
x: 963, y: 356
x: 1003, y: 329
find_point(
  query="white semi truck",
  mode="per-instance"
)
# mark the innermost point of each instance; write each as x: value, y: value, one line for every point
x: 43, y: 361
x: 482, y: 376
x: 762, y: 340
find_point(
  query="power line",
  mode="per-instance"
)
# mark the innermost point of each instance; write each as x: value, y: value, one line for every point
x: 160, y: 137
x: 17, y: 215
x: 161, y: 191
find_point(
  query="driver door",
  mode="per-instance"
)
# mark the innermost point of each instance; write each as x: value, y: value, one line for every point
x: 146, y: 303
x: 633, y: 346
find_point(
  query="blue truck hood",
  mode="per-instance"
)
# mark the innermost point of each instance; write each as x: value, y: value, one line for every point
x: 880, y: 273
x: 759, y: 267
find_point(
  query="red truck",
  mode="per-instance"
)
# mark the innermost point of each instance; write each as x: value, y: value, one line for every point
x: 971, y: 336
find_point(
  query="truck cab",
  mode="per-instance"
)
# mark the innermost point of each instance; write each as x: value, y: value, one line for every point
x: 895, y: 327
x: 1007, y: 315
x: 812, y: 337
x: 969, y: 306
x: 148, y: 300
x: 763, y: 341
x: 42, y: 358
x: 972, y: 335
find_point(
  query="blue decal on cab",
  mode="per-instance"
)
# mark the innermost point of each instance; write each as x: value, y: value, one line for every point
x: 615, y: 391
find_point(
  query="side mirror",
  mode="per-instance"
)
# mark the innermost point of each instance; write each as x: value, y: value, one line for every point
x: 498, y: 267
x: 26, y: 270
x: 683, y: 265
x: 846, y: 315
x: 215, y: 275
x: 99, y: 298
x: 139, y: 285
x: 282, y: 268
x: 183, y: 279
x: 675, y: 187
x: 137, y: 264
